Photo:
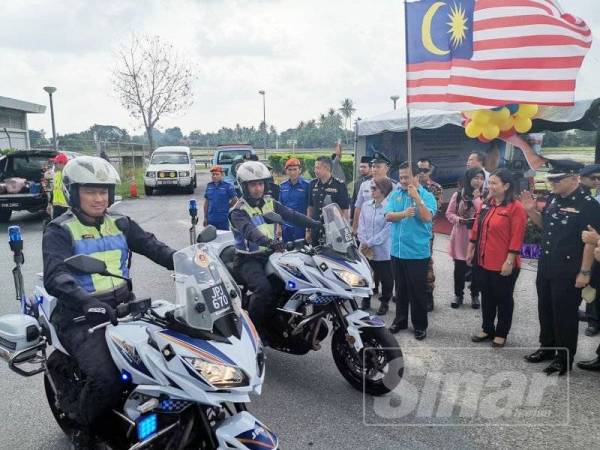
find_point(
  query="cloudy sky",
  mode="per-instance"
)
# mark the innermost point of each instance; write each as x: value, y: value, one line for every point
x: 308, y: 55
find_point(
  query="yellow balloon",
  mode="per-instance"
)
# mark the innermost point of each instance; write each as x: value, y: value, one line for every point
x: 526, y: 110
x: 522, y: 124
x: 507, y: 124
x: 482, y: 117
x: 472, y: 130
x: 501, y: 116
x: 491, y: 132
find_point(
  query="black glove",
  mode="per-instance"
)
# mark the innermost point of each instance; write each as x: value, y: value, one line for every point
x: 276, y: 246
x: 97, y: 312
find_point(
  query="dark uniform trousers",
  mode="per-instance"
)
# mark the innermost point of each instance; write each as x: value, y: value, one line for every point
x: 251, y: 268
x: 382, y: 272
x: 558, y: 305
x: 102, y: 389
x: 411, y: 288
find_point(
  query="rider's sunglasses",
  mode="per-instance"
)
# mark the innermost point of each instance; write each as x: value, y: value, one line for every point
x: 423, y: 170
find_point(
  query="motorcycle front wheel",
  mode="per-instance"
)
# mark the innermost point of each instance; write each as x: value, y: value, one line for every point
x: 377, y: 369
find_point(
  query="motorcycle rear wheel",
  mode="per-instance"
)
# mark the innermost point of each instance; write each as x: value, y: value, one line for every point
x: 66, y: 424
x: 382, y: 352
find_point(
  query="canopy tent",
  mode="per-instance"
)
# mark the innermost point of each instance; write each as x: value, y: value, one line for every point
x: 584, y: 115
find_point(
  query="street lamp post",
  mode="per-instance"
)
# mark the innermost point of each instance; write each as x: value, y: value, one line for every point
x: 51, y: 90
x: 394, y: 98
x: 262, y: 92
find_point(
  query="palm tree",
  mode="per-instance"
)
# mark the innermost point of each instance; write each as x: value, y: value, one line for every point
x: 347, y: 110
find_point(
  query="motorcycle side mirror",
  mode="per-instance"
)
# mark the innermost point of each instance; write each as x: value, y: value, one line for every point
x: 85, y: 264
x: 208, y: 234
x: 272, y: 217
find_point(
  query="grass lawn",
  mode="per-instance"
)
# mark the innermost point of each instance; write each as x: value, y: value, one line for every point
x: 126, y: 178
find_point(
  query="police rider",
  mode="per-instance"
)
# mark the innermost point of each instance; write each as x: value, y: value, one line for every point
x: 255, y: 238
x: 88, y: 228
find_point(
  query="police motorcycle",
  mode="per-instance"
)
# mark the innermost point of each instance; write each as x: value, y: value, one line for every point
x: 320, y: 284
x: 187, y: 368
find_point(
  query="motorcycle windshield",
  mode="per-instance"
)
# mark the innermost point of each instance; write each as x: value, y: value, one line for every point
x: 203, y: 288
x: 338, y: 233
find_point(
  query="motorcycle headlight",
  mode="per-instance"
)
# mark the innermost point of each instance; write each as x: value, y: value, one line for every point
x: 151, y: 174
x: 350, y: 278
x: 184, y: 174
x: 219, y: 375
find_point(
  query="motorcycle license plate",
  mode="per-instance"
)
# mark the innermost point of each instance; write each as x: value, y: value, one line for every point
x: 217, y: 299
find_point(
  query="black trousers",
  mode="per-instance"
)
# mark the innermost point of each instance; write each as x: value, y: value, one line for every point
x: 102, y: 390
x: 460, y: 277
x: 592, y: 311
x: 496, y: 300
x: 558, y: 306
x: 411, y: 289
x: 382, y: 271
x: 263, y: 301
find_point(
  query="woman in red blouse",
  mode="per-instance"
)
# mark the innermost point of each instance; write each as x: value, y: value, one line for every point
x: 495, y: 244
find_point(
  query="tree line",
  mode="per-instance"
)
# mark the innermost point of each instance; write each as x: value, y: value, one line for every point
x: 314, y: 133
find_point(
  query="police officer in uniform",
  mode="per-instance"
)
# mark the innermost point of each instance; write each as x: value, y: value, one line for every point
x: 293, y: 193
x: 255, y: 238
x: 89, y: 229
x: 326, y: 189
x: 565, y: 263
x: 590, y: 180
x: 218, y: 198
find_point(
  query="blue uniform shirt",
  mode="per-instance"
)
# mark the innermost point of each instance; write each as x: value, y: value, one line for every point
x: 410, y: 236
x: 218, y: 196
x: 294, y: 196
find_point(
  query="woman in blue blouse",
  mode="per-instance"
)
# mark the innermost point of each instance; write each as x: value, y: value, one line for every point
x: 374, y: 235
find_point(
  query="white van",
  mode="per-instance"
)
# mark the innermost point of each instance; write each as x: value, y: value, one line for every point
x: 171, y: 166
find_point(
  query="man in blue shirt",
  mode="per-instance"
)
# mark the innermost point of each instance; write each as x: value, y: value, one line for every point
x: 219, y: 197
x: 293, y: 193
x: 410, y: 209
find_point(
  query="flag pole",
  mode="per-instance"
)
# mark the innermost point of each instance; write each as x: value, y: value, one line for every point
x: 408, y: 132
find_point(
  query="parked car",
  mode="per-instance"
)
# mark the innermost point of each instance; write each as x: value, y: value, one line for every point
x: 22, y: 187
x: 226, y: 155
x: 171, y: 166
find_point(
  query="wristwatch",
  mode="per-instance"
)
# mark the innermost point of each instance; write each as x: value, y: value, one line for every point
x: 585, y: 273
x: 421, y: 202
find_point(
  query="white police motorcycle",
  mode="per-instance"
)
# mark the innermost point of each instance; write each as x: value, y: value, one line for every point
x: 187, y: 368
x: 325, y: 282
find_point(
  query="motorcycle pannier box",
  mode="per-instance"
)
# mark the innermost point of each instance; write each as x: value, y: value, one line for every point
x: 17, y: 332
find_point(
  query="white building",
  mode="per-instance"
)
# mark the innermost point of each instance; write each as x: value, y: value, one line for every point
x: 14, y: 132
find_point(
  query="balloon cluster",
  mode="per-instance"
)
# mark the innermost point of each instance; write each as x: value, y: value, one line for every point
x: 504, y: 121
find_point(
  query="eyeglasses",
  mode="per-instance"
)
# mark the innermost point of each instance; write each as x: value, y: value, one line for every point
x: 423, y: 170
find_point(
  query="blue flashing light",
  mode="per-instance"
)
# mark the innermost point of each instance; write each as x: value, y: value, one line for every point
x: 14, y: 233
x: 291, y: 286
x: 147, y: 426
x: 193, y: 207
x: 125, y: 376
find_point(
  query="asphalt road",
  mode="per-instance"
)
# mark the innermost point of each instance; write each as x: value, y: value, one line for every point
x: 306, y: 401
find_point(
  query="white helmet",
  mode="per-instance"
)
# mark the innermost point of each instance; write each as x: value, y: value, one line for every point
x: 88, y: 171
x: 251, y: 171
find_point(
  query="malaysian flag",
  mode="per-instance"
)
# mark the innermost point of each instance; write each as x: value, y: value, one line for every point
x: 469, y: 54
